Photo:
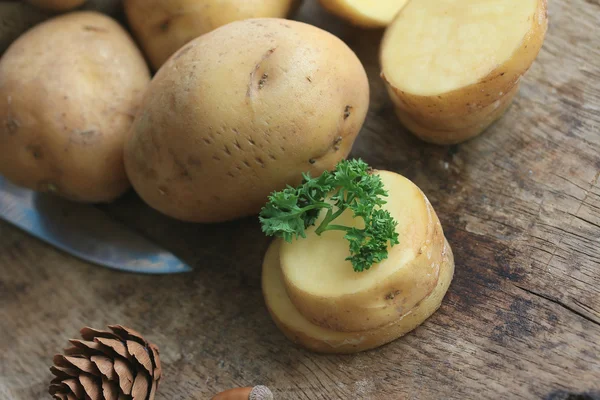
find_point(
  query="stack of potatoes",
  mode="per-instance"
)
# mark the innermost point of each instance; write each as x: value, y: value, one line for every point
x: 318, y: 301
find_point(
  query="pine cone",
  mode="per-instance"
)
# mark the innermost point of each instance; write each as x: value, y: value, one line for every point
x: 117, y: 365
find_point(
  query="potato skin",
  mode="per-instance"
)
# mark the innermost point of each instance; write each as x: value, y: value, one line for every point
x: 322, y: 340
x: 56, y: 5
x: 430, y: 114
x: 242, y: 111
x: 458, y: 129
x: 164, y: 26
x: 69, y: 89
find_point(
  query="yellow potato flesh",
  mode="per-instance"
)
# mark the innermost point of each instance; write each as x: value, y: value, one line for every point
x: 443, y: 45
x: 300, y: 330
x: 365, y: 13
x: 326, y: 289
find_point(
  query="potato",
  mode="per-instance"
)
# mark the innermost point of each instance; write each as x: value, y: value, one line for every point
x: 365, y: 13
x: 69, y: 89
x: 452, y: 67
x: 242, y: 111
x: 16, y: 18
x: 164, y: 26
x: 56, y: 5
x: 324, y: 287
x: 316, y: 338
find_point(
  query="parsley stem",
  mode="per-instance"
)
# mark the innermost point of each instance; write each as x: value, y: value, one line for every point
x: 337, y: 228
x: 324, y: 226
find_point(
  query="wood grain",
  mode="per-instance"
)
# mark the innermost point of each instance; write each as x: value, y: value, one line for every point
x: 520, y: 206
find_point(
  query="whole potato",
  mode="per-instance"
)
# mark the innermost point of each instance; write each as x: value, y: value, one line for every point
x: 69, y: 89
x: 242, y: 111
x: 16, y: 18
x: 163, y: 26
x: 56, y: 5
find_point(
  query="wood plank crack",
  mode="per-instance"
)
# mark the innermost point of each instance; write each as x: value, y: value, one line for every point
x: 559, y: 303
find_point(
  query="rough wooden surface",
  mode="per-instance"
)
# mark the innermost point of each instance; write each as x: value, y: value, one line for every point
x: 520, y: 206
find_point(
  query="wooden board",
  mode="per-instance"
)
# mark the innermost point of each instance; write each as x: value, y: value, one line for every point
x: 520, y: 206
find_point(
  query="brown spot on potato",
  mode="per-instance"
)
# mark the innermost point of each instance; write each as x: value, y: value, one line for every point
x: 260, y: 162
x: 227, y: 151
x: 246, y: 163
x: 164, y: 25
x: 231, y: 174
x: 207, y: 140
x: 272, y: 157
x: 195, y: 161
x: 94, y: 28
x: 347, y: 112
x: 265, y: 56
x: 85, y: 137
x: 263, y: 80
x: 36, y: 151
x: 163, y: 190
x: 12, y: 125
x: 237, y: 144
x: 251, y: 141
x: 308, y: 78
x: 312, y: 161
x: 216, y: 158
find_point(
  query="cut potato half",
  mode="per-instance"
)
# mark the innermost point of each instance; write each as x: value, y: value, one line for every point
x: 444, y: 60
x: 326, y: 290
x: 316, y: 338
x: 365, y: 13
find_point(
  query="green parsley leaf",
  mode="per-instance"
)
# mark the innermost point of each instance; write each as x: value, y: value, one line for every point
x: 352, y: 186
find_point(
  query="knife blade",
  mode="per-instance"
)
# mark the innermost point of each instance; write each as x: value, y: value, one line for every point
x: 84, y: 231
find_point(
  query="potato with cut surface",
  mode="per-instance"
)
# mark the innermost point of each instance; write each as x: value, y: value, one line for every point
x: 242, y: 111
x: 328, y: 292
x: 328, y: 285
x: 453, y: 67
x: 302, y: 331
x: 365, y: 13
x: 164, y: 26
x: 56, y: 5
x: 69, y: 89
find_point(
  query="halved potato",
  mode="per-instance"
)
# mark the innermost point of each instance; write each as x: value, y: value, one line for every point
x: 445, y: 62
x: 327, y: 291
x: 365, y: 13
x: 316, y: 338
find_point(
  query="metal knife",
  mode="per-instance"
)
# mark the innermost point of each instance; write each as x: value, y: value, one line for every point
x: 84, y: 231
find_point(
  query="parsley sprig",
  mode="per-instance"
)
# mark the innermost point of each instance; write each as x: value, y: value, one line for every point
x: 351, y: 185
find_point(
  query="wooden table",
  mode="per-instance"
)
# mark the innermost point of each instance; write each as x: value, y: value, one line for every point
x: 520, y: 206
